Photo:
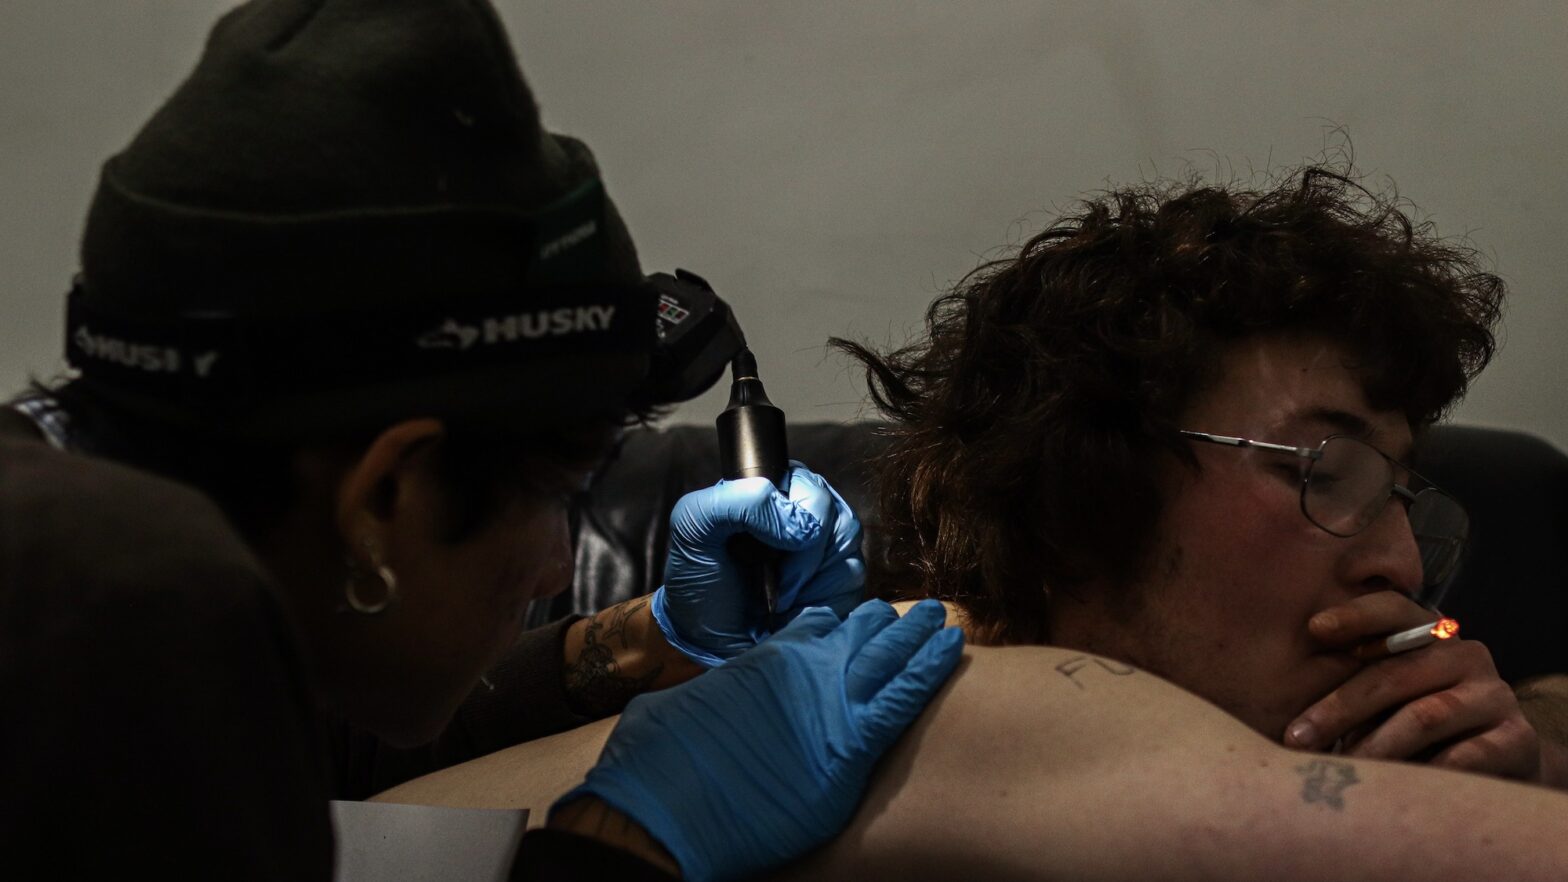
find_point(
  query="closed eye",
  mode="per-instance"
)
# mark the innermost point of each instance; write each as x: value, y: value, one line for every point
x: 1291, y: 472
x: 1324, y: 479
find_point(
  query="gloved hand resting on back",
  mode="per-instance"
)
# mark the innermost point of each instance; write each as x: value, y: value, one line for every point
x: 760, y: 760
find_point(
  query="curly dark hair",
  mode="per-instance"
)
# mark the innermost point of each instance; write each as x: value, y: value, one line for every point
x: 1025, y: 424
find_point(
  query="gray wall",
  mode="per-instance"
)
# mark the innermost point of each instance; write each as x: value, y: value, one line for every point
x: 831, y: 166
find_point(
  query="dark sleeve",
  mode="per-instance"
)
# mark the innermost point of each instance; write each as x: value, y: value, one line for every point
x: 552, y: 855
x: 156, y: 729
x: 528, y: 701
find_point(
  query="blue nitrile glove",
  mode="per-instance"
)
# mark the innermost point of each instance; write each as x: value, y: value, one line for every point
x: 756, y: 762
x: 708, y: 607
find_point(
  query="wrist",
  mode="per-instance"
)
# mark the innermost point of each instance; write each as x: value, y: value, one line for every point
x: 616, y: 655
x: 594, y: 818
x: 657, y: 650
x: 670, y: 633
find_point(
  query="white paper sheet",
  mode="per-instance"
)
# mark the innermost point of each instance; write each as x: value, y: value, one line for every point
x: 386, y: 842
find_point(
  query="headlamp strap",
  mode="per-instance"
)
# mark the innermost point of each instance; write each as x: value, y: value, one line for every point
x: 207, y: 355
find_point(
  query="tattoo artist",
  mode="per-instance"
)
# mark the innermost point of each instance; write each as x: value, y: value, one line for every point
x: 351, y: 329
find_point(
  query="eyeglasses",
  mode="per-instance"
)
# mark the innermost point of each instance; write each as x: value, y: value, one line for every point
x: 1347, y: 483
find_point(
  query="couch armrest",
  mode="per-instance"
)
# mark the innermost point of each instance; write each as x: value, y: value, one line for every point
x: 1512, y: 590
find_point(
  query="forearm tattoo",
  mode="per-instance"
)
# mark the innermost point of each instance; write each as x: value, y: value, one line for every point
x: 1326, y: 781
x: 596, y: 685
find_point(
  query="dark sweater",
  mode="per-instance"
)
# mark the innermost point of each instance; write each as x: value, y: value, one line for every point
x: 156, y: 718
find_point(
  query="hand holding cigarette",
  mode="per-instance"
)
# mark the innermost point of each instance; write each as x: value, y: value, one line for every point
x: 1445, y: 706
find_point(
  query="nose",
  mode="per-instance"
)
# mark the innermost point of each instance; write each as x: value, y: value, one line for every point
x: 1385, y: 555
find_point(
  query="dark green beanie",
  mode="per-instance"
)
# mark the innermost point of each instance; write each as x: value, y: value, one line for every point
x: 335, y: 167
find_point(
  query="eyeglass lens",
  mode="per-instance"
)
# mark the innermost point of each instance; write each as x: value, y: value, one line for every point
x: 1441, y: 527
x: 1348, y: 487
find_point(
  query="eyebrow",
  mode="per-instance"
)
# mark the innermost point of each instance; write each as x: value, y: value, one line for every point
x: 1345, y: 423
x: 1342, y: 421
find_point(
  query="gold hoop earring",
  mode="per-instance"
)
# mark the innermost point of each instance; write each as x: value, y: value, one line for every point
x: 357, y: 574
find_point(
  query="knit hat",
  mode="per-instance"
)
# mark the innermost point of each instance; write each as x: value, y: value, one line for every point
x: 350, y: 213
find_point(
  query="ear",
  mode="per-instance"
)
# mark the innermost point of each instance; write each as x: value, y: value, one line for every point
x: 373, y: 486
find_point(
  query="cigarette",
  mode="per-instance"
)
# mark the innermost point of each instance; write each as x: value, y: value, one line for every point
x: 1404, y: 641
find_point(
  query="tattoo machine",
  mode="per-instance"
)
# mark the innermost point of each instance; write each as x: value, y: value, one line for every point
x: 752, y: 444
x: 699, y: 333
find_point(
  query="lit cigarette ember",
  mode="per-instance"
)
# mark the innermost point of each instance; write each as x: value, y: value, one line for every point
x: 1404, y: 641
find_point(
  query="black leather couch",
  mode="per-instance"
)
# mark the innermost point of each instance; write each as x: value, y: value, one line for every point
x: 1511, y: 593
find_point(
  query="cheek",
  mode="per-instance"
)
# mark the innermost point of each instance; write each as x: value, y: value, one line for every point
x: 535, y: 559
x: 1244, y: 570
x: 1253, y: 566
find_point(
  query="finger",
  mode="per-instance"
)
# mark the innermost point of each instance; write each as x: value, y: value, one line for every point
x: 813, y: 493
x: 1437, y: 719
x: 908, y: 693
x: 785, y: 523
x: 865, y: 622
x: 1376, y: 689
x: 813, y: 623
x: 1511, y: 749
x: 885, y: 654
x: 808, y: 489
x: 830, y: 567
x: 708, y: 517
x: 1367, y: 616
x: 839, y: 586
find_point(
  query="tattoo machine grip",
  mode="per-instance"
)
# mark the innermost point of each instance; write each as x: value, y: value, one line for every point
x: 752, y: 443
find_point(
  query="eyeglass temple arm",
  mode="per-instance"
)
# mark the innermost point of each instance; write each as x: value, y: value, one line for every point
x: 1231, y: 441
